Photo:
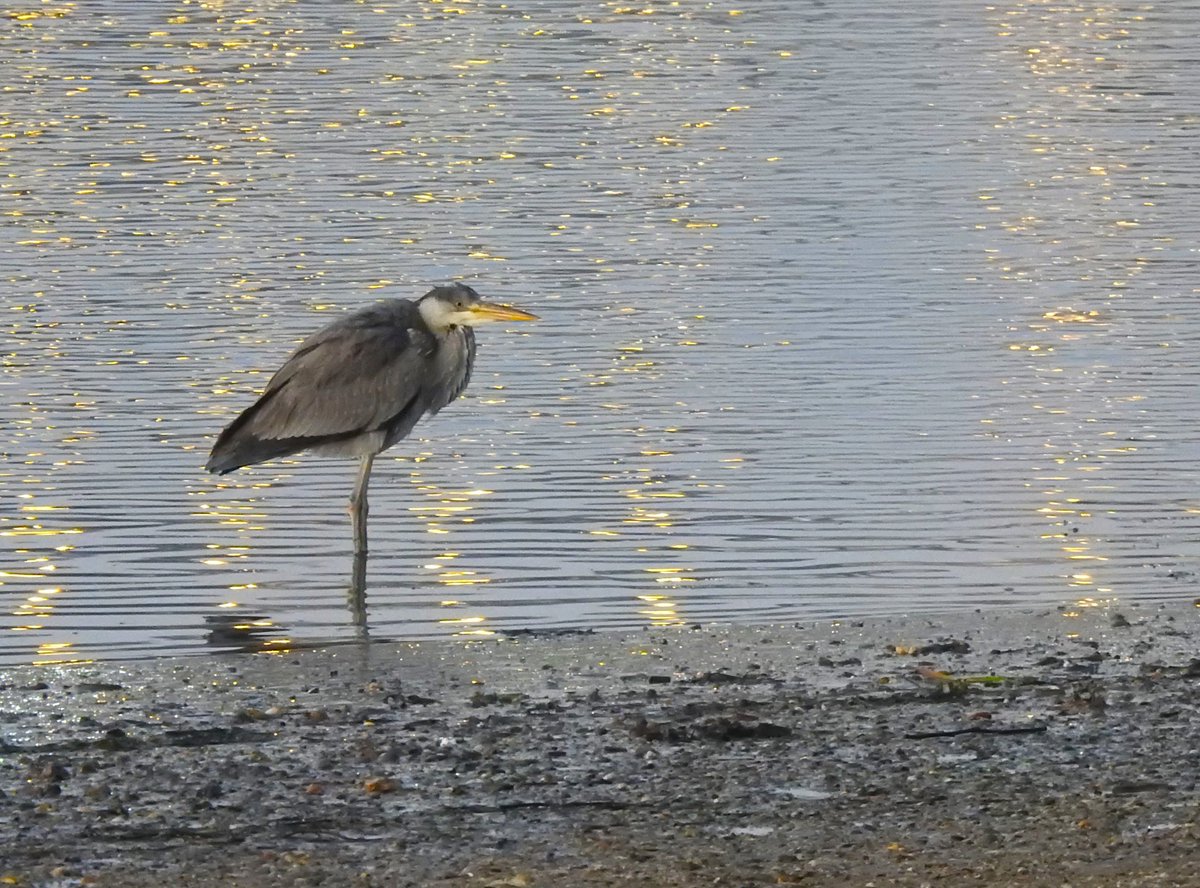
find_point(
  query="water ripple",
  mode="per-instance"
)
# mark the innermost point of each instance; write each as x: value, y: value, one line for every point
x: 846, y: 312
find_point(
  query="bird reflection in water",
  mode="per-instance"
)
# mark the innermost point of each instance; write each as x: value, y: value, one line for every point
x: 234, y: 631
x: 356, y: 597
x: 358, y: 386
x: 246, y: 633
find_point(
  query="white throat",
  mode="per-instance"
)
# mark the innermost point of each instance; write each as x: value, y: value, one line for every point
x: 440, y: 317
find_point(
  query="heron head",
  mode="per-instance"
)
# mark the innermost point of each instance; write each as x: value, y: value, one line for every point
x: 457, y: 305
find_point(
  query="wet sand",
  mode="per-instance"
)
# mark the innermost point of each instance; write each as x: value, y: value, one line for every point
x: 1047, y: 748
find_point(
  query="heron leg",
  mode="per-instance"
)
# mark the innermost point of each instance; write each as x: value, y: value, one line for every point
x: 358, y: 505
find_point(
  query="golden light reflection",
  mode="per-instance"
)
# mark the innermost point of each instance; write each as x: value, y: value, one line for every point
x: 671, y: 574
x: 470, y: 627
x: 243, y: 518
x: 1081, y: 201
x: 59, y: 653
x: 445, y: 509
x: 660, y: 610
x: 649, y: 482
x: 32, y: 524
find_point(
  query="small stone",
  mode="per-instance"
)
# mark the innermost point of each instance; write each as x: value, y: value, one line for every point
x: 53, y: 771
x: 379, y: 785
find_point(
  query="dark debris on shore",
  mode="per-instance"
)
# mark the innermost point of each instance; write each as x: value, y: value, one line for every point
x: 1006, y: 750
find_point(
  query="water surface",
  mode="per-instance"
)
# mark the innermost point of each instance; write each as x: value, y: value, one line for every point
x: 848, y: 309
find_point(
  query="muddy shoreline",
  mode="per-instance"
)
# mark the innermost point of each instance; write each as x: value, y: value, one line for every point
x: 1046, y: 748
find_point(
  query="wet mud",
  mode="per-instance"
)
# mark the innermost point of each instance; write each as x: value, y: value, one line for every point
x: 1052, y: 748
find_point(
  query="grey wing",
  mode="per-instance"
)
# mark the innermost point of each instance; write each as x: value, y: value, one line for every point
x: 362, y: 374
x: 346, y: 380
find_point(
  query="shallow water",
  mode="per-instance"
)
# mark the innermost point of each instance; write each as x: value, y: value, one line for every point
x: 846, y: 311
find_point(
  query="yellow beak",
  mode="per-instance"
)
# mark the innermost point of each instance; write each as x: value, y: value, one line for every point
x: 494, y: 311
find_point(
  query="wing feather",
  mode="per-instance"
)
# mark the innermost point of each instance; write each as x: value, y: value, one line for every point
x: 352, y: 376
x: 376, y: 370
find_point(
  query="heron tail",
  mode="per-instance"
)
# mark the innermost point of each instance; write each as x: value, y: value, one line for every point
x: 238, y: 446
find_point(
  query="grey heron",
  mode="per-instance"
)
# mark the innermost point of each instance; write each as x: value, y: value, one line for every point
x: 357, y: 386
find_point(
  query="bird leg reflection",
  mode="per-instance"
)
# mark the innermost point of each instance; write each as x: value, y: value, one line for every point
x: 356, y: 596
x: 358, y: 505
